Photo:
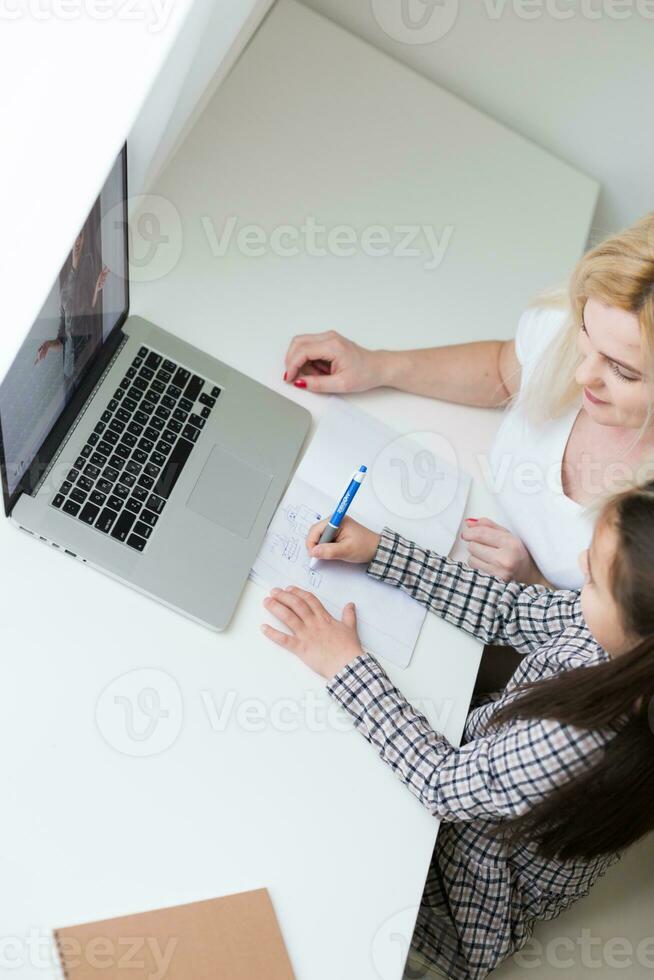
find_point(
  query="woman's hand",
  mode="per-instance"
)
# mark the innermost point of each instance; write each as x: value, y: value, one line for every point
x: 329, y: 362
x: 323, y: 643
x: 496, y: 551
x: 355, y: 542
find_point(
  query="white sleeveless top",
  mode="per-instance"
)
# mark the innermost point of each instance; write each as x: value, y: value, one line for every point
x: 525, y: 469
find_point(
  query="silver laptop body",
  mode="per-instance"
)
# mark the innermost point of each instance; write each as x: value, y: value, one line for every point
x: 180, y: 517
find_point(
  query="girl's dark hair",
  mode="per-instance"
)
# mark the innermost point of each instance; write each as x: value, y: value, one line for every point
x: 611, y: 804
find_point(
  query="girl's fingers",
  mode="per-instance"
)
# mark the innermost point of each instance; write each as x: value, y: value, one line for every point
x: 328, y: 552
x: 294, y: 601
x: 313, y: 537
x: 280, y: 607
x: 301, y: 595
x: 349, y: 616
x: 281, y: 639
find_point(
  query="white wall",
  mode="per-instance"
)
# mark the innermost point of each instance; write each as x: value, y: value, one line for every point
x: 208, y: 45
x: 76, y: 84
x: 581, y: 88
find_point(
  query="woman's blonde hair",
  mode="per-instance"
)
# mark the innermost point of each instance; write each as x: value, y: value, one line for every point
x: 618, y: 272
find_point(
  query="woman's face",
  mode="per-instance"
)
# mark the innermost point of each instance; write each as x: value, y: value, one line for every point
x: 616, y: 390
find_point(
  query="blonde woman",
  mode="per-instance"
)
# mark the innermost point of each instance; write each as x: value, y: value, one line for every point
x: 579, y: 380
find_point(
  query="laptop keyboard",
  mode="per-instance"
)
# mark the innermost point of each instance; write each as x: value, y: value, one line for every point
x: 126, y: 472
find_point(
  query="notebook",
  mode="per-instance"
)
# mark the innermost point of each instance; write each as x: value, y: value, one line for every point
x: 414, y: 486
x: 232, y: 938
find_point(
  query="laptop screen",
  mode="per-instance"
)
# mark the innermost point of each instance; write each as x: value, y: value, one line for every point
x: 88, y: 300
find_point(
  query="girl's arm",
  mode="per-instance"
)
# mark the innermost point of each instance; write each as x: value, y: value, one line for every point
x: 521, y: 616
x: 500, y: 775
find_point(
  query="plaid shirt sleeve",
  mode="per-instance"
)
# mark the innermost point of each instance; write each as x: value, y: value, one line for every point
x: 497, y: 776
x: 521, y: 616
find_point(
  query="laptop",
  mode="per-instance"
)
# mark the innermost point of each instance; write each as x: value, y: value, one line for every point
x: 131, y: 451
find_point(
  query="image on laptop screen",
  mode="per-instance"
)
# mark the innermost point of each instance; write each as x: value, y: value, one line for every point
x: 86, y: 302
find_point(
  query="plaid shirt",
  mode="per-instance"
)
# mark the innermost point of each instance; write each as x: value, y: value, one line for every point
x: 482, y: 896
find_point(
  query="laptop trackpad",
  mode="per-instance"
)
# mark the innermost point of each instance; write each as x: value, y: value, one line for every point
x: 229, y: 492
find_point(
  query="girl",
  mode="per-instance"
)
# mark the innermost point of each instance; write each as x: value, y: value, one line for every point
x: 580, y: 373
x: 555, y: 774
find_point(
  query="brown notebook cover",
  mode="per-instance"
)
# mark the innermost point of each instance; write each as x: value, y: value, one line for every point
x: 231, y: 938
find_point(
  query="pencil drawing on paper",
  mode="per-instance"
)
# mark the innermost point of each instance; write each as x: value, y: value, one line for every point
x: 300, y: 518
x: 289, y: 544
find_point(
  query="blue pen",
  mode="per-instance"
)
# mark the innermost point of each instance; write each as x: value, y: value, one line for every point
x: 331, y: 530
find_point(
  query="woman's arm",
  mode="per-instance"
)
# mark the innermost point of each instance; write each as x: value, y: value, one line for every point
x: 521, y: 616
x: 485, y: 373
x: 497, y: 776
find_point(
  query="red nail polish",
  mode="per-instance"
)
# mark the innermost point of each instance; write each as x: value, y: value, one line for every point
x: 300, y: 383
x: 285, y: 375
x: 471, y: 520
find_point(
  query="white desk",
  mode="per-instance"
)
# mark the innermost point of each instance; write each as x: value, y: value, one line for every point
x: 311, y: 122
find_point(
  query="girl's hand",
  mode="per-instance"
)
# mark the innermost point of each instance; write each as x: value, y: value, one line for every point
x: 496, y: 551
x: 329, y: 362
x: 355, y: 542
x: 325, y: 644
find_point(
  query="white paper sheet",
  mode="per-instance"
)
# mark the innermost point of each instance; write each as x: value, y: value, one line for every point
x: 411, y: 487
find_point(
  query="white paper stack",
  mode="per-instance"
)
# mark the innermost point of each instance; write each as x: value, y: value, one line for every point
x: 414, y: 486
